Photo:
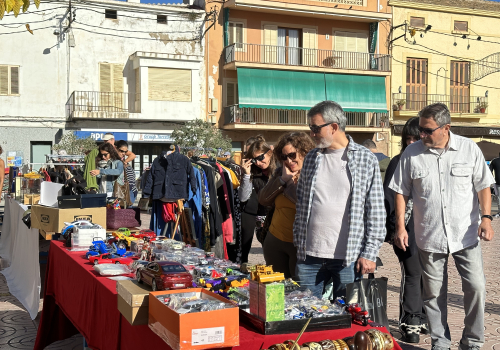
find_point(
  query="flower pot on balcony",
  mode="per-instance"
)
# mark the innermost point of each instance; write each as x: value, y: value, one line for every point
x: 400, y: 108
x: 395, y: 113
x: 482, y: 110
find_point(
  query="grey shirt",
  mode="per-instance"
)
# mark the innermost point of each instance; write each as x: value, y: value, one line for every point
x: 444, y: 189
x: 328, y: 226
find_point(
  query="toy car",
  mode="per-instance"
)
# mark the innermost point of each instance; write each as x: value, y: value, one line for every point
x: 359, y: 316
x: 123, y: 241
x: 162, y: 275
x: 109, y: 259
x: 145, y: 235
x: 138, y: 264
x: 202, y: 261
x: 122, y: 230
x: 192, y: 306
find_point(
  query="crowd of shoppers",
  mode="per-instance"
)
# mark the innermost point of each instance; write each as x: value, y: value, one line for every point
x: 322, y: 206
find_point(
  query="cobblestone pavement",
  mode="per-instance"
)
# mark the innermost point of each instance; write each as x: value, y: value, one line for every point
x: 18, y: 331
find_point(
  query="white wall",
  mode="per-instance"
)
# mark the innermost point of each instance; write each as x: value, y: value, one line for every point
x: 50, y: 70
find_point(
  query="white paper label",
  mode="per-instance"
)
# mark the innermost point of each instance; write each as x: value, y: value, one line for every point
x: 207, y: 336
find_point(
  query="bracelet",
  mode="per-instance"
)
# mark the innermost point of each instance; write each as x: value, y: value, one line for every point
x: 488, y: 217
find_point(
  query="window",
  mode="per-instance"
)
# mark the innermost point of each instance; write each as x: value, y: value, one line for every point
x: 417, y: 22
x: 290, y: 38
x: 461, y: 26
x: 168, y: 84
x: 110, y: 77
x: 111, y: 14
x: 9, y: 80
x: 161, y: 19
x: 354, y: 42
x: 236, y: 34
x: 231, y: 93
x: 236, y: 146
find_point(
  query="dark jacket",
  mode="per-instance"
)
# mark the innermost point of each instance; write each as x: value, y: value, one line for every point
x: 170, y: 177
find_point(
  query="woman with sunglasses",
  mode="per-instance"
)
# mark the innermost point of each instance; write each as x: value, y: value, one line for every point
x: 280, y: 192
x: 257, y: 165
x: 109, y: 169
x: 412, y: 320
x: 122, y: 149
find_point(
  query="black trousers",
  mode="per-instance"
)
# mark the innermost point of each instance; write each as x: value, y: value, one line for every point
x: 247, y: 233
x: 410, y: 295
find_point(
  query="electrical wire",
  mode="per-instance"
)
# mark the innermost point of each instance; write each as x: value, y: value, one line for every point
x: 129, y: 37
x: 440, y: 76
x: 23, y: 24
x: 25, y: 31
x: 134, y: 31
x: 36, y: 12
x: 141, y: 18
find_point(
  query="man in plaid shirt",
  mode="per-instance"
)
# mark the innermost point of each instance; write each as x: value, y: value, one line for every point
x: 340, y: 221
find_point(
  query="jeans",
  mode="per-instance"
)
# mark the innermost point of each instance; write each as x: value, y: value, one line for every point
x: 315, y: 273
x: 281, y: 255
x: 469, y: 263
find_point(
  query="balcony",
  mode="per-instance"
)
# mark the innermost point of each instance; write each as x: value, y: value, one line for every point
x: 102, y: 105
x: 461, y: 104
x: 236, y: 117
x: 292, y: 57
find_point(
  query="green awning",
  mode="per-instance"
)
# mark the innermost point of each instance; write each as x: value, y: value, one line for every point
x: 278, y: 89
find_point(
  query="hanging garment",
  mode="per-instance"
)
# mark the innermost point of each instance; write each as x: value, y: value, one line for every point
x: 90, y: 165
x: 195, y: 203
x: 168, y: 211
x: 227, y: 224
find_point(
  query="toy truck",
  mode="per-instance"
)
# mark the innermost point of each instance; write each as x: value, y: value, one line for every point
x: 265, y: 274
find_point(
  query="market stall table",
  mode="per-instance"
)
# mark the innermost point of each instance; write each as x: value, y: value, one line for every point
x: 19, y: 247
x: 76, y: 299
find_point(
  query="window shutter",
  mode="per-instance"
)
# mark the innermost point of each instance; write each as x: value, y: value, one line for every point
x: 105, y: 77
x: 351, y: 42
x: 137, y: 85
x: 238, y: 33
x: 167, y: 84
x: 4, y: 80
x: 14, y: 80
x: 230, y: 100
x: 270, y: 40
x: 361, y: 42
x: 231, y: 33
x: 309, y: 47
x: 340, y: 41
x: 117, y: 77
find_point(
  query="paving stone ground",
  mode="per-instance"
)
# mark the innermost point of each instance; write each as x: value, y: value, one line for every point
x: 18, y: 331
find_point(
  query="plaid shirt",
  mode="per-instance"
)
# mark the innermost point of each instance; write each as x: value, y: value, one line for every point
x: 366, y: 211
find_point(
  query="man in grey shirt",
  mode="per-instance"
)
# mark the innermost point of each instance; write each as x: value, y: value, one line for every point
x: 448, y: 179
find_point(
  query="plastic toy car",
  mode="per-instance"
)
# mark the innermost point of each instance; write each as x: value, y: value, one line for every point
x: 123, y: 241
x: 359, y: 316
x: 122, y: 230
x: 108, y: 259
x: 202, y: 261
x: 144, y: 234
x: 192, y: 306
x: 138, y: 264
x: 163, y: 275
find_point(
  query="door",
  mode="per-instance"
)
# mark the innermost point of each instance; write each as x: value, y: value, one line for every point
x: 39, y: 150
x: 111, y: 97
x: 416, y: 84
x: 288, y: 46
x: 460, y: 87
x: 145, y: 154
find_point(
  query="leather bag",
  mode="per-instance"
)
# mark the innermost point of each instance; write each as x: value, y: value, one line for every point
x: 122, y: 192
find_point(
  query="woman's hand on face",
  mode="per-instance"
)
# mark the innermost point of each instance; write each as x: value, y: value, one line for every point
x: 95, y: 172
x: 247, y: 166
x: 287, y: 174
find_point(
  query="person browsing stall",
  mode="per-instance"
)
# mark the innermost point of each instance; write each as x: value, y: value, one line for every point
x: 110, y: 169
x: 122, y: 149
x: 110, y: 138
x: 449, y: 182
x: 280, y: 192
x: 340, y: 222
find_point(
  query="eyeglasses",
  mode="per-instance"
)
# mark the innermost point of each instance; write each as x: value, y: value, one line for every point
x: 123, y: 150
x: 291, y: 155
x: 259, y: 158
x: 104, y: 154
x: 317, y: 128
x: 428, y: 131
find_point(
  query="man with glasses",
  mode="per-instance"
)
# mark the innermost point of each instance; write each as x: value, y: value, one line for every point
x: 448, y: 179
x: 340, y: 220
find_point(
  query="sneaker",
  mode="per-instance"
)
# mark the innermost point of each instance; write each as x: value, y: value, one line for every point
x: 411, y: 329
x: 424, y: 328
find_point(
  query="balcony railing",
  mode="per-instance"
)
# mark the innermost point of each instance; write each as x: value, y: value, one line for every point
x: 457, y: 103
x: 242, y: 115
x: 96, y: 104
x: 297, y: 56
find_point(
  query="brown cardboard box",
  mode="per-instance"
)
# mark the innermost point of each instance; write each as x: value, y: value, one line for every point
x: 53, y: 219
x: 30, y: 199
x: 134, y: 315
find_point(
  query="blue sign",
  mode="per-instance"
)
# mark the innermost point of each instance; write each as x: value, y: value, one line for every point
x: 98, y: 135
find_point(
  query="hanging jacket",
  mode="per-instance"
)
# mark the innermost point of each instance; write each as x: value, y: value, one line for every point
x: 90, y: 165
x: 170, y: 177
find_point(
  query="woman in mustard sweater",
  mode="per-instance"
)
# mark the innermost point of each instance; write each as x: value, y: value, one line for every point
x: 280, y: 192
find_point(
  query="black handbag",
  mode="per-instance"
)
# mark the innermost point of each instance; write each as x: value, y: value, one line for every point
x: 262, y: 231
x: 371, y: 295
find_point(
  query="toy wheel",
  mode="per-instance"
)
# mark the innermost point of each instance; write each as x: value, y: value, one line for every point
x: 138, y: 276
x: 117, y: 262
x: 153, y: 285
x: 121, y: 245
x: 96, y: 262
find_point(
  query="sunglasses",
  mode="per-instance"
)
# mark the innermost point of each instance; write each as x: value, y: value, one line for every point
x: 428, y: 131
x: 104, y: 154
x: 291, y: 155
x: 123, y: 150
x: 317, y: 128
x: 259, y: 158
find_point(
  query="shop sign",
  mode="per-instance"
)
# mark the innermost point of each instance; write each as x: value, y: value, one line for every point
x: 495, y: 132
x: 98, y: 135
x: 149, y: 137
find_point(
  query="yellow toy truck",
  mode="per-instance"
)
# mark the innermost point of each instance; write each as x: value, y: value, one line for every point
x: 265, y: 274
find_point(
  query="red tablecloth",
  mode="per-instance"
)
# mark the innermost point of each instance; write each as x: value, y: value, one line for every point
x: 76, y: 299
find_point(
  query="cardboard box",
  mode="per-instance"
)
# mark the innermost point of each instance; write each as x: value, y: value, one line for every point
x: 136, y: 316
x: 30, y: 199
x: 198, y: 330
x: 254, y: 297
x: 272, y: 302
x: 133, y: 301
x: 53, y: 219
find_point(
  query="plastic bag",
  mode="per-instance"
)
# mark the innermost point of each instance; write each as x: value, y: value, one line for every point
x: 112, y: 269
